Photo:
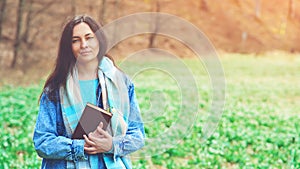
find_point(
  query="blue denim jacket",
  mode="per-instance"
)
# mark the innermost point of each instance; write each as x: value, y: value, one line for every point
x: 53, y: 145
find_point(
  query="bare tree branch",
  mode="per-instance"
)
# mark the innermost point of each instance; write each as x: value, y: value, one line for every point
x: 45, y: 7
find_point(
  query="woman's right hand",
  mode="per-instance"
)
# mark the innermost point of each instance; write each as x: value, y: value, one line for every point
x: 98, y: 141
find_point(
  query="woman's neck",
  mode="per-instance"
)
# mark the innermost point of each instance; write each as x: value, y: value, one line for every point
x: 87, y: 71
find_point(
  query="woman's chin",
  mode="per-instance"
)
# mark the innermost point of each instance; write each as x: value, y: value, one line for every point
x: 86, y: 58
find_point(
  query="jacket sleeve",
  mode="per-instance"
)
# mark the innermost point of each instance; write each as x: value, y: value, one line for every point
x: 48, y: 140
x: 135, y: 135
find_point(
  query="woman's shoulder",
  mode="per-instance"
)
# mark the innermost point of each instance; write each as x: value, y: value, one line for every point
x: 50, y: 94
x: 127, y: 79
x: 115, y: 73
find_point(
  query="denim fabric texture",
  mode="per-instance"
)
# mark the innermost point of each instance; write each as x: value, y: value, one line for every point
x: 53, y: 145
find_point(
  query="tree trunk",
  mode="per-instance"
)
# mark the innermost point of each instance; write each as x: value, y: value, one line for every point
x: 204, y: 5
x: 102, y: 11
x: 73, y: 7
x: 2, y: 16
x: 291, y: 13
x: 156, y: 27
x: 257, y: 8
x: 28, y: 22
x: 237, y: 3
x: 18, y: 32
x: 116, y: 10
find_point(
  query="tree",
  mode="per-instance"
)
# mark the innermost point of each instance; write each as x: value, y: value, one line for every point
x: 73, y: 7
x: 18, y: 40
x: 2, y: 16
x: 237, y: 3
x: 102, y: 11
x: 257, y: 8
x: 291, y: 12
x: 25, y: 37
x: 156, y: 27
x: 204, y: 5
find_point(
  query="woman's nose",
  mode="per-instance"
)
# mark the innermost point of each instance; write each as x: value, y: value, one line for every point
x: 84, y: 44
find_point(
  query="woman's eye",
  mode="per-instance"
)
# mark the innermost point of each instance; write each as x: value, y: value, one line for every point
x: 75, y: 40
x: 89, y: 37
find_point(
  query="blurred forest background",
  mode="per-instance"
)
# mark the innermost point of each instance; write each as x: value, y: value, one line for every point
x: 30, y: 29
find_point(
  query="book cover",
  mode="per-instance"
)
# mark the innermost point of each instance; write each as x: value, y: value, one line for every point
x: 90, y: 119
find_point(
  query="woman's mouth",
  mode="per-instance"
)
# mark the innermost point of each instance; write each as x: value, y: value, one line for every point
x: 83, y: 53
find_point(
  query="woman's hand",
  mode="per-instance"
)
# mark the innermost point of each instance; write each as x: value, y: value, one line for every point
x: 98, y: 141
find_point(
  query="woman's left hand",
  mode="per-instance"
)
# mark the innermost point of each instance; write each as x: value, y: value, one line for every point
x: 98, y: 141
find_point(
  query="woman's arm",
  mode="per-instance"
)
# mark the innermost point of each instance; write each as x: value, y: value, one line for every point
x: 48, y: 138
x: 135, y: 135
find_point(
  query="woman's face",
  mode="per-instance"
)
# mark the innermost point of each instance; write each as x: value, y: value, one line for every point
x: 85, y: 45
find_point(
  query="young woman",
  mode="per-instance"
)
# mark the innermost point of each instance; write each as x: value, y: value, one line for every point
x: 83, y: 73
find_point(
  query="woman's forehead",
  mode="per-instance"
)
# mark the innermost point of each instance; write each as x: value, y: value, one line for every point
x: 82, y: 29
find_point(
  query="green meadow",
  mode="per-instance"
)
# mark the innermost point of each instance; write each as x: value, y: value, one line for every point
x: 259, y: 126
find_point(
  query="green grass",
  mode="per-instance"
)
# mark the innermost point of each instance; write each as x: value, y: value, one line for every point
x: 259, y: 127
x: 19, y: 108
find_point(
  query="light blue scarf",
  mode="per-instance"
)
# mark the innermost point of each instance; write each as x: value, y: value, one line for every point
x: 118, y: 102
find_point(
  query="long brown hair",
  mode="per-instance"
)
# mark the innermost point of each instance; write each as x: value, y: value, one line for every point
x: 66, y: 60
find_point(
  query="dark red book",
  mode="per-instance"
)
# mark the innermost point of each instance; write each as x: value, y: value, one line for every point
x: 90, y: 119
